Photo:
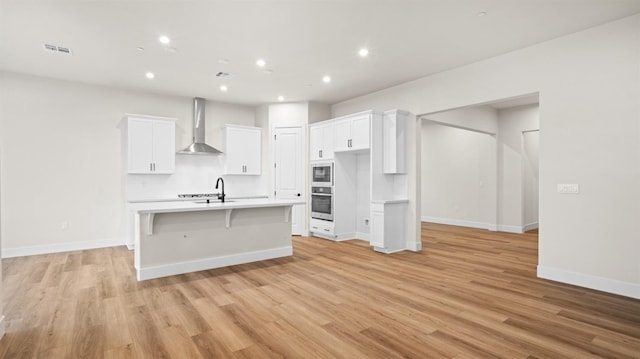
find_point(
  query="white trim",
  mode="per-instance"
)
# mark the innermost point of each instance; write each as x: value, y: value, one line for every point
x: 530, y: 226
x: 471, y: 224
x: 362, y: 236
x: 458, y: 222
x: 2, y: 326
x: 61, y: 247
x: 510, y: 229
x: 149, y: 117
x: 165, y: 270
x: 589, y: 281
x: 414, y: 246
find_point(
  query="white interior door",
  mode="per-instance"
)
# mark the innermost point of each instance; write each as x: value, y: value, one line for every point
x: 290, y: 172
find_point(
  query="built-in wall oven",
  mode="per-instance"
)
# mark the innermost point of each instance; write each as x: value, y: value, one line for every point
x: 322, y: 202
x: 322, y: 174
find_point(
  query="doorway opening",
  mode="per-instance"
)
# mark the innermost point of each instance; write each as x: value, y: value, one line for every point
x: 479, y: 165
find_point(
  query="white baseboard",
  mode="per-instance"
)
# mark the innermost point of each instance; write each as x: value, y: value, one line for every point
x: 2, y: 326
x: 415, y: 246
x: 588, y: 281
x: 386, y: 251
x: 211, y: 263
x: 60, y: 247
x: 362, y: 236
x: 510, y: 229
x: 472, y: 224
x: 530, y: 226
x: 458, y: 222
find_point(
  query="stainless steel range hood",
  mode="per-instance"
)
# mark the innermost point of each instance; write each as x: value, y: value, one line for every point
x: 198, y: 147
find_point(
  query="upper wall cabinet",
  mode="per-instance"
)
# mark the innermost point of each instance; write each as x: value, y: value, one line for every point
x: 321, y: 141
x: 352, y: 132
x: 394, y: 141
x: 242, y: 149
x: 151, y: 144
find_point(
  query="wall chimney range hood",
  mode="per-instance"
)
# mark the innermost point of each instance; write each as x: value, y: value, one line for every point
x: 198, y: 147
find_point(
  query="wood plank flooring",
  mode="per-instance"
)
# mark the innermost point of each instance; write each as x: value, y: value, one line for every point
x: 469, y: 294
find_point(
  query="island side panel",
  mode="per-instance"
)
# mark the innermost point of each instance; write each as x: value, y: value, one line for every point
x: 197, y: 240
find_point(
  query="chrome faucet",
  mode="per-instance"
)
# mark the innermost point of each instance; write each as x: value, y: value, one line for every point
x: 220, y: 196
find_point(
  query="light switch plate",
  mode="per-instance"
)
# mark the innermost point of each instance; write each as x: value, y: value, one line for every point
x: 572, y: 188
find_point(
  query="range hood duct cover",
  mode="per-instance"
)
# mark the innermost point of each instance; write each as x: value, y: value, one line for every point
x: 198, y: 147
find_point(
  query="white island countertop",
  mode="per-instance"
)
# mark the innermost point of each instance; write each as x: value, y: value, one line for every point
x: 187, y: 206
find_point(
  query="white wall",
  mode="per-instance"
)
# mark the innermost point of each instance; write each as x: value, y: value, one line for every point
x: 63, y: 159
x: 2, y: 322
x: 513, y: 172
x: 531, y: 147
x: 478, y: 118
x: 458, y: 176
x: 459, y: 166
x: 589, y: 86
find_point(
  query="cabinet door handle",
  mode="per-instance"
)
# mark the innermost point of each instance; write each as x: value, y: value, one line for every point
x: 320, y: 153
x: 154, y: 167
x: 150, y: 167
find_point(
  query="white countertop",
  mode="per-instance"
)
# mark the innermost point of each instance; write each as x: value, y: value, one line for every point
x: 177, y: 199
x: 186, y: 206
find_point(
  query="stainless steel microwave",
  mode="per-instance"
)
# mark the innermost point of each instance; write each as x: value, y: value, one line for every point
x: 322, y: 174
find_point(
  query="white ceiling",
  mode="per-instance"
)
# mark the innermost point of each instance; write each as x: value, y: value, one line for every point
x: 301, y: 40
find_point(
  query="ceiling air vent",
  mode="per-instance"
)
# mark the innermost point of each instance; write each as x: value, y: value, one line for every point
x: 57, y: 49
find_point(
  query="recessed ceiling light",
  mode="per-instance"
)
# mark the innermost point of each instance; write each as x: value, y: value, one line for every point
x: 224, y: 88
x: 482, y: 13
x: 261, y: 63
x: 140, y: 48
x: 280, y: 98
x: 150, y: 75
x: 326, y: 79
x: 165, y: 40
x: 363, y: 52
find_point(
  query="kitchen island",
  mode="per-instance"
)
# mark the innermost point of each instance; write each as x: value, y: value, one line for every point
x: 180, y: 237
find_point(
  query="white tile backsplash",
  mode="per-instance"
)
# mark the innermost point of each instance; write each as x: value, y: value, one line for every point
x: 193, y: 174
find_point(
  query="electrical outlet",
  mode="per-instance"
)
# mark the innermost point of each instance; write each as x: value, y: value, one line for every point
x: 64, y: 225
x: 568, y: 188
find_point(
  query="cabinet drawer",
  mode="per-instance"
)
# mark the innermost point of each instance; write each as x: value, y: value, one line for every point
x: 324, y: 230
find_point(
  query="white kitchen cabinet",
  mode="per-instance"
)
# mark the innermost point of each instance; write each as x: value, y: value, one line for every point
x: 394, y: 141
x: 352, y: 132
x: 242, y: 149
x: 321, y: 141
x: 151, y: 144
x: 388, y: 222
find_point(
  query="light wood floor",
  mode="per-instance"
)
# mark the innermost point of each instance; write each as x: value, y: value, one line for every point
x: 468, y: 294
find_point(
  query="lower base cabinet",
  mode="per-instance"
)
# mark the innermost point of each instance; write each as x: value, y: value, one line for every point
x: 322, y: 228
x: 388, y: 226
